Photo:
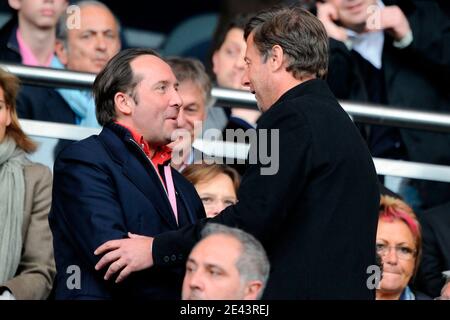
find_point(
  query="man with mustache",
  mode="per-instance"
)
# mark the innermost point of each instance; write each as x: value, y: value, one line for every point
x: 120, y: 181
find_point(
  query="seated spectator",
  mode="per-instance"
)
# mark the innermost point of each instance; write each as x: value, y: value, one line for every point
x: 398, y: 229
x: 216, y: 184
x: 195, y: 91
x: 228, y: 65
x: 237, y: 261
x: 29, y: 37
x: 27, y: 265
x: 384, y: 40
x: 436, y: 249
x: 85, y: 49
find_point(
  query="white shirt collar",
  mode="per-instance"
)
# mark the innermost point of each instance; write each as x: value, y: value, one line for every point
x: 369, y: 44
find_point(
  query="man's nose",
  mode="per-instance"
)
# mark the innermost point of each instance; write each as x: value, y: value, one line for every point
x: 175, y: 100
x: 245, y: 81
x: 101, y: 43
x: 195, y: 280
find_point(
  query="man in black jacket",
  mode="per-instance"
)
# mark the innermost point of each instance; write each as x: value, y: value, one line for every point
x: 317, y: 213
x: 399, y: 50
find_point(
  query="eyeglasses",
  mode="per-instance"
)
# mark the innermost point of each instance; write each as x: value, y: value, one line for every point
x: 403, y: 252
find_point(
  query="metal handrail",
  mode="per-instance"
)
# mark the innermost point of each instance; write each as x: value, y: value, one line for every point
x: 239, y: 151
x: 50, y: 77
x: 367, y: 113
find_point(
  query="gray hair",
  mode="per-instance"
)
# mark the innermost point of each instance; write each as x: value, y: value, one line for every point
x: 189, y: 69
x: 62, y: 28
x: 252, y: 263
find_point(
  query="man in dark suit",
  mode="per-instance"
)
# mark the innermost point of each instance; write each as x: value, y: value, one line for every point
x: 385, y: 40
x: 436, y: 250
x: 120, y: 183
x: 316, y: 214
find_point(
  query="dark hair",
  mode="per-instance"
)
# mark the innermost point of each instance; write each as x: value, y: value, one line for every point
x: 117, y: 76
x: 239, y: 21
x: 189, y: 69
x: 298, y: 32
x: 224, y: 25
x: 10, y: 85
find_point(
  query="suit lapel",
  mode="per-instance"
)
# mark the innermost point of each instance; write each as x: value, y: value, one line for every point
x: 137, y: 168
x: 146, y: 180
x: 184, y: 201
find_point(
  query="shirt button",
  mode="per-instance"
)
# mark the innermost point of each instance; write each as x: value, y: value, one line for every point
x: 166, y: 259
x: 174, y: 257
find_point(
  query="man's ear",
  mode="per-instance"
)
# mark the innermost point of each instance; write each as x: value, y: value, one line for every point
x: 276, y: 57
x: 61, y: 52
x: 252, y: 290
x: 123, y: 104
x: 15, y: 4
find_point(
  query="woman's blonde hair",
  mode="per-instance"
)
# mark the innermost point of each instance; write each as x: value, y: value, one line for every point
x: 10, y: 85
x: 196, y: 173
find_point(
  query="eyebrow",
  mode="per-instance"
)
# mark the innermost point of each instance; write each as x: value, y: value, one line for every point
x: 99, y: 31
x: 166, y: 83
x: 208, y: 194
x: 215, y: 266
x: 397, y: 244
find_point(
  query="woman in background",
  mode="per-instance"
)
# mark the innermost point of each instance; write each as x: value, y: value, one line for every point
x: 27, y: 265
x: 216, y: 184
x: 399, y: 244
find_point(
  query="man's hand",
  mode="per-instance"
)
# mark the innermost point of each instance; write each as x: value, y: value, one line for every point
x: 394, y: 21
x: 328, y: 14
x: 125, y: 255
x: 445, y: 293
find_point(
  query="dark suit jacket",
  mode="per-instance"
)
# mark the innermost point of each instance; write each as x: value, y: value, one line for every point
x: 436, y: 250
x: 317, y: 216
x: 103, y: 188
x: 44, y: 104
x: 422, y: 86
x: 9, y: 47
x: 415, y: 77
